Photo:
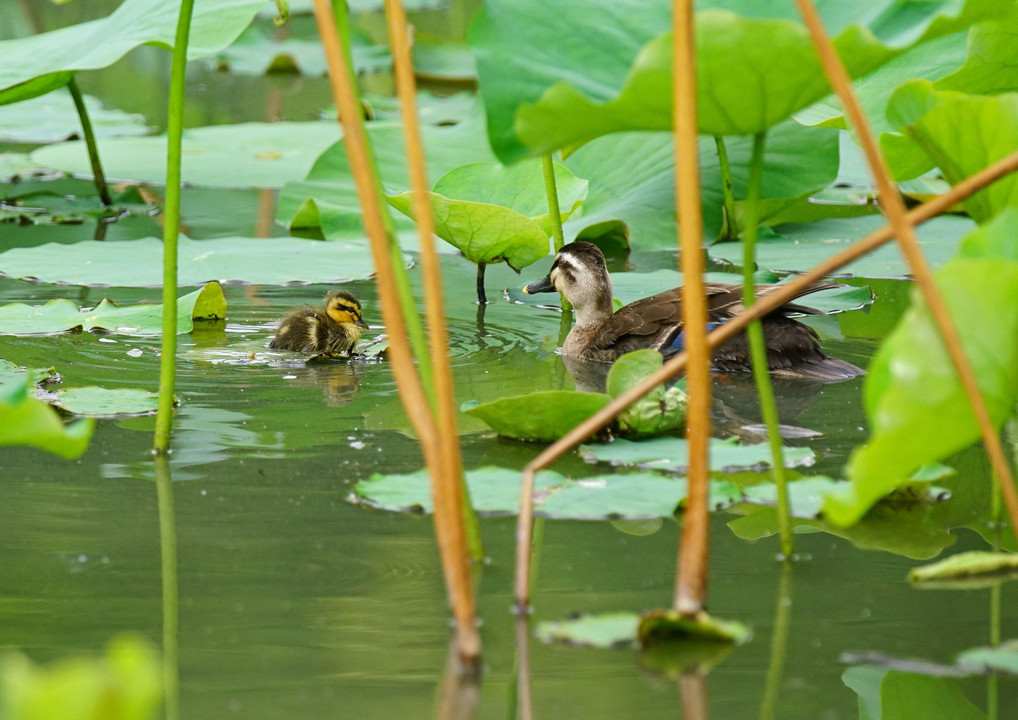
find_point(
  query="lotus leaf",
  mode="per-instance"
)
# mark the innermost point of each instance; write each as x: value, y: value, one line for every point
x: 35, y: 65
x: 492, y: 212
x: 137, y: 263
x: 544, y: 416
x: 248, y: 155
x: 27, y: 421
x: 959, y: 133
x: 672, y: 453
x: 59, y: 315
x: 610, y: 630
x: 53, y: 117
x: 106, y: 402
x: 912, y: 390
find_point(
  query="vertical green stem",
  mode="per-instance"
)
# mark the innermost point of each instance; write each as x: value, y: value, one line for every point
x: 758, y: 348
x: 171, y: 228
x: 729, y: 229
x: 89, y: 137
x: 551, y: 190
x: 171, y: 617
x: 412, y: 319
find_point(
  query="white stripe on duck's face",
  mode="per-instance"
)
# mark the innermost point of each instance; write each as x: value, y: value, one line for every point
x: 586, y: 285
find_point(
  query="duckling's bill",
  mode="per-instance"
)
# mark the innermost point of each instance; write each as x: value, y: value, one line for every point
x: 540, y: 286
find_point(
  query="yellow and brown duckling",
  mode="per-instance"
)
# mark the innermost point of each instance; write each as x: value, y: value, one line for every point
x: 579, y: 272
x: 333, y: 330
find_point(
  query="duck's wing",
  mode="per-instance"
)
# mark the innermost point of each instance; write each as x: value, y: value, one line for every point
x: 651, y: 322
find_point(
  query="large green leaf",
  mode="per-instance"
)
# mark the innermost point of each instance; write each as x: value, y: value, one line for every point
x: 494, y: 213
x: 960, y: 134
x: 912, y: 391
x: 35, y: 65
x: 659, y: 411
x: 798, y: 247
x: 326, y: 200
x: 27, y: 421
x: 908, y: 696
x: 138, y: 263
x: 247, y: 155
x: 524, y: 67
x: 1001, y: 658
x: 543, y: 416
x: 632, y: 179
x: 59, y: 315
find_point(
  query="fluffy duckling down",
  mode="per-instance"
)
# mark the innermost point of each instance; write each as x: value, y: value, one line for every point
x: 333, y: 329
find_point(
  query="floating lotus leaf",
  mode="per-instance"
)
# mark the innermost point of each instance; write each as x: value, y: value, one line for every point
x: 672, y: 453
x: 67, y: 202
x: 138, y: 263
x: 248, y: 155
x: 256, y: 53
x: 53, y: 117
x: 106, y: 402
x: 59, y: 315
x: 610, y: 630
x: 543, y: 416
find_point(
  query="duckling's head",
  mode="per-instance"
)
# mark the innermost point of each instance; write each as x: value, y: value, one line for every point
x: 580, y: 273
x: 344, y: 308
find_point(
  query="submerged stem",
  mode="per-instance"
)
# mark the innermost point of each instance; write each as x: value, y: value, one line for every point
x: 171, y: 613
x: 171, y: 228
x: 89, y: 136
x: 758, y: 348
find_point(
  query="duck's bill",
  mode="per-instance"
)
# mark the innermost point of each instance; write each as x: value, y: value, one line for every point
x: 544, y: 285
x: 360, y: 322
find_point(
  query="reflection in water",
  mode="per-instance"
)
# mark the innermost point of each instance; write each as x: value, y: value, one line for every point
x: 524, y: 702
x: 779, y: 644
x: 460, y: 694
x: 695, y: 699
x: 736, y: 407
x: 338, y: 380
x: 168, y: 547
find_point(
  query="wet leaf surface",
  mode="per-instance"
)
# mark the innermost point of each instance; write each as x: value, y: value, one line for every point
x: 138, y: 263
x: 106, y: 402
x: 672, y: 453
x: 59, y: 315
x: 27, y: 421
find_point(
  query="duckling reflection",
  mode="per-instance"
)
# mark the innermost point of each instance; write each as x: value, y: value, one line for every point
x: 339, y: 382
x: 333, y: 330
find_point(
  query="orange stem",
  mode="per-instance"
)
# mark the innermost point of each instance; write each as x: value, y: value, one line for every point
x: 894, y: 208
x: 691, y: 575
x: 675, y: 365
x: 447, y: 475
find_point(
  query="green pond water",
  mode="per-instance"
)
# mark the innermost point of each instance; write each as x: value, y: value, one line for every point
x: 296, y: 602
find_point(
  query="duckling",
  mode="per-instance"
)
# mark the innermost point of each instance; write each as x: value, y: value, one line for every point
x: 579, y: 272
x: 334, y: 330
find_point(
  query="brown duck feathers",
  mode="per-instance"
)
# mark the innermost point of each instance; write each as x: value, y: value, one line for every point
x: 579, y: 272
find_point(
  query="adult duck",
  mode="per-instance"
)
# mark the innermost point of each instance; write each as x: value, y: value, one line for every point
x: 579, y: 272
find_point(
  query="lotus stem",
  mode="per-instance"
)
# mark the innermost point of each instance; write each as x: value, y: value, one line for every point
x: 482, y: 297
x: 171, y: 228
x: 758, y: 348
x: 894, y: 208
x: 171, y: 614
x: 455, y: 520
x: 89, y: 137
x: 551, y: 190
x: 729, y: 228
x: 691, y: 575
x: 779, y: 644
x: 772, y: 301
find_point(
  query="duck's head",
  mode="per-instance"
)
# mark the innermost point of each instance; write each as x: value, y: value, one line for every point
x: 344, y: 308
x: 580, y: 273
